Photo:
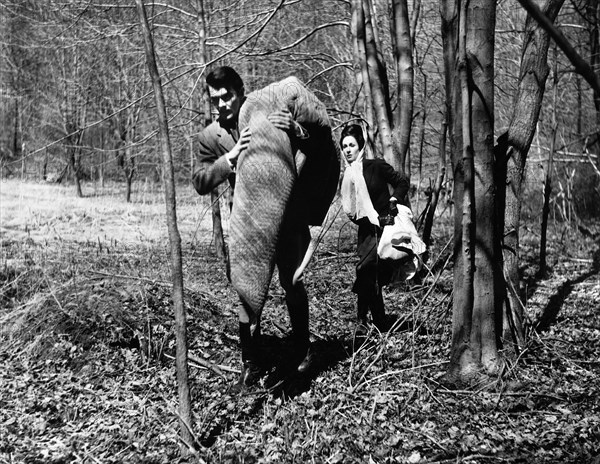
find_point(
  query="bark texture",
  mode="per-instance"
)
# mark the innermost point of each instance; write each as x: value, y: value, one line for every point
x: 527, y: 104
x: 477, y: 290
x: 404, y: 67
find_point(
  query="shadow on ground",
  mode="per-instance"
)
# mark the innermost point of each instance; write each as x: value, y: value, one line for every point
x: 283, y: 380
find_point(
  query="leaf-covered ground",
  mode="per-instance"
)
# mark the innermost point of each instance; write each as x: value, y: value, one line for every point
x: 86, y: 353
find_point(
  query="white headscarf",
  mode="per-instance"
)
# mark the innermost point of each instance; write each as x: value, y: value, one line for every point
x: 355, y: 196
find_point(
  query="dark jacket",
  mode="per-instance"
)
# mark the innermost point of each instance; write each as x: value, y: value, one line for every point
x: 212, y: 167
x: 318, y: 178
x: 372, y: 273
x: 378, y: 174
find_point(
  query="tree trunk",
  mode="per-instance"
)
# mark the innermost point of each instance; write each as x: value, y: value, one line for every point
x: 542, y: 271
x: 204, y: 104
x: 581, y: 66
x: 449, y: 28
x: 546, y: 206
x: 593, y: 14
x: 527, y: 104
x: 404, y: 67
x: 78, y: 182
x: 75, y: 164
x: 45, y: 165
x: 185, y: 406
x: 17, y: 142
x: 477, y: 286
x: 361, y: 75
x: 435, y: 193
x: 378, y: 80
x: 422, y: 132
x: 220, y: 249
x: 103, y: 160
x: 129, y: 180
x: 414, y: 20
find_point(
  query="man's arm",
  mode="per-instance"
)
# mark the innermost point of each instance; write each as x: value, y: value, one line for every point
x: 215, y: 165
x: 209, y: 174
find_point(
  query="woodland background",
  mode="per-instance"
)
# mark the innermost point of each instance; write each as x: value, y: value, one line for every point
x: 76, y: 98
x: 87, y: 323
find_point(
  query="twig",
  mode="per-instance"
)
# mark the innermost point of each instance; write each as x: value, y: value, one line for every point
x: 87, y: 455
x: 432, y: 395
x: 527, y: 393
x: 203, y: 363
x: 480, y: 456
x: 400, y: 371
x: 63, y: 310
x: 426, y: 435
x: 129, y: 277
x: 363, y: 347
x: 162, y: 283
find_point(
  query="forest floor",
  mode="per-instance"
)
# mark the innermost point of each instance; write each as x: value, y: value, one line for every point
x: 86, y: 349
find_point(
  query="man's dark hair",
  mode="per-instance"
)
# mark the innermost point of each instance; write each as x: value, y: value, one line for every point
x: 225, y: 77
x: 353, y: 130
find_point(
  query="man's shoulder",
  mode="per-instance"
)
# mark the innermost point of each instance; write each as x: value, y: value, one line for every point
x: 215, y: 138
x: 214, y: 129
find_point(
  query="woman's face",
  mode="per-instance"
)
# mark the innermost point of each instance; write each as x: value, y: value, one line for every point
x: 350, y: 148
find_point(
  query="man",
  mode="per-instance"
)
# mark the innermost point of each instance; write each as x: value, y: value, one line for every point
x: 220, y: 147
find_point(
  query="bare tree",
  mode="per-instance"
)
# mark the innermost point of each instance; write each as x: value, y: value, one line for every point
x: 582, y: 67
x: 378, y: 80
x: 403, y: 45
x: 477, y: 268
x: 527, y: 103
x: 203, y: 103
x: 435, y: 190
x: 185, y: 405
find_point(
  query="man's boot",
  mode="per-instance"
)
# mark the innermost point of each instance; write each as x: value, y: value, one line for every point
x: 307, y: 359
x: 251, y: 370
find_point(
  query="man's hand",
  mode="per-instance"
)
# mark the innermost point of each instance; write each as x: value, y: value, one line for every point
x: 240, y: 146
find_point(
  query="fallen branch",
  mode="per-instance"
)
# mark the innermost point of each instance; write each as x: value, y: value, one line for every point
x: 396, y: 372
x: 203, y: 363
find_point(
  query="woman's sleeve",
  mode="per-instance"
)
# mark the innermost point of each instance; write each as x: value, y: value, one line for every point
x: 398, y: 181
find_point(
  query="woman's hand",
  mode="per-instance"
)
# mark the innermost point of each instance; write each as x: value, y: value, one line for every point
x: 284, y: 120
x: 281, y: 119
x: 393, y: 207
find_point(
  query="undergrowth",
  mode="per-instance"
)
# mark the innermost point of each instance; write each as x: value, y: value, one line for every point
x: 87, y: 371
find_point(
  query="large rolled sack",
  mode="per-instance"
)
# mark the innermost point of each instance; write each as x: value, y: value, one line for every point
x: 266, y: 174
x: 264, y: 180
x: 319, y: 176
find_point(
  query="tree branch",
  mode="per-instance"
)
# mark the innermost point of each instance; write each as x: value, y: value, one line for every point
x: 301, y: 39
x: 582, y: 67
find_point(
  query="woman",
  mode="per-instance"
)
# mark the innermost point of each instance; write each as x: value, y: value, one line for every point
x: 366, y: 199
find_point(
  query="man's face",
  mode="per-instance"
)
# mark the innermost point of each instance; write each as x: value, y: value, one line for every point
x: 226, y: 101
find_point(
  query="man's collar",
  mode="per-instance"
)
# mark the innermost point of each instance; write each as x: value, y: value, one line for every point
x: 229, y: 125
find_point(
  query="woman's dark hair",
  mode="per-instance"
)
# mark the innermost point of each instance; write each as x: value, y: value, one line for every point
x: 353, y: 130
x: 225, y: 78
